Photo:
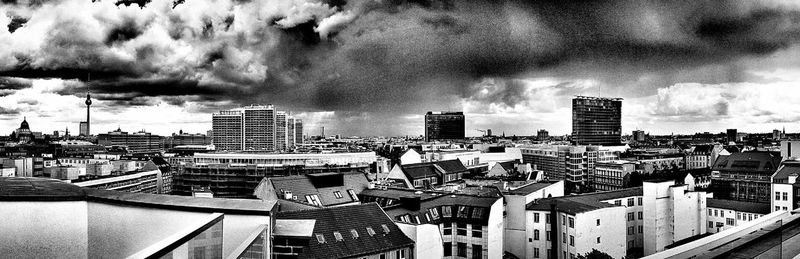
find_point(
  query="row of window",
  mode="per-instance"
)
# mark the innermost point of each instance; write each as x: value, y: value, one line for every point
x: 461, y: 250
x: 630, y: 202
x: 778, y: 196
x: 461, y: 229
x: 353, y: 234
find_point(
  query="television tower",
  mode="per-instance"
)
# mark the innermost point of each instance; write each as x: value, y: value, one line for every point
x: 88, y: 103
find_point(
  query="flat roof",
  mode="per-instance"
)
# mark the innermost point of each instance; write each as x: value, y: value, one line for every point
x: 743, y: 206
x: 38, y: 189
x: 294, y: 227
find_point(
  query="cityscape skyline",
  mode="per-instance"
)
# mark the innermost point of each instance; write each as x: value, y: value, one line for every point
x: 375, y: 69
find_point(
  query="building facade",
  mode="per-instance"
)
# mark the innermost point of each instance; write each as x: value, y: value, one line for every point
x: 727, y: 214
x: 254, y: 128
x: 596, y: 121
x: 744, y: 176
x: 138, y: 142
x: 612, y: 175
x: 444, y: 126
x: 574, y: 164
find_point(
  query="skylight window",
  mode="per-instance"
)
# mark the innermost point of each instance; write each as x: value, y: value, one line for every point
x: 385, y: 228
x: 354, y: 233
x: 320, y: 238
x: 338, y: 236
x: 370, y: 231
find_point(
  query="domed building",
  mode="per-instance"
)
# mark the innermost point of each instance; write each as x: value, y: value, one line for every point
x: 24, y: 133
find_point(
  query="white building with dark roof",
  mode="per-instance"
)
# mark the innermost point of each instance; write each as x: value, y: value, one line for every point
x: 727, y: 214
x: 321, y: 190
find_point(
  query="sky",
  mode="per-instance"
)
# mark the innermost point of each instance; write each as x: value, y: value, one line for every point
x: 375, y: 67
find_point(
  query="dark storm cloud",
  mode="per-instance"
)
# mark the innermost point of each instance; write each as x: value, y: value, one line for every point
x: 394, y: 57
x: 10, y: 83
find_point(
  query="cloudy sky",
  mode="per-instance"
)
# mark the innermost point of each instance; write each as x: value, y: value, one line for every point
x: 374, y: 67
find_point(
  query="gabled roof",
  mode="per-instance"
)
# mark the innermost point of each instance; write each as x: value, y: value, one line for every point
x: 788, y: 168
x: 703, y: 149
x: 743, y: 206
x: 433, y: 169
x: 465, y: 204
x: 344, y: 220
x: 574, y: 204
x: 302, y: 185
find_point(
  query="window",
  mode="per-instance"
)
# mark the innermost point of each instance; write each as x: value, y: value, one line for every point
x: 709, y: 212
x: 571, y: 240
x: 749, y: 217
x: 630, y: 244
x: 463, y: 212
x: 477, y: 252
x: 563, y: 220
x: 447, y: 228
x: 777, y: 196
x: 738, y: 216
x: 446, y: 211
x: 563, y: 237
x: 434, y: 213
x: 630, y: 230
x: 618, y: 202
x: 547, y: 235
x: 461, y: 249
x: 535, y: 252
x: 461, y: 229
x: 535, y: 234
x: 547, y: 218
x: 535, y: 217
x: 729, y: 221
x: 320, y: 238
x: 630, y: 202
x: 784, y: 208
x: 448, y: 249
x: 598, y: 222
x: 641, y: 215
x: 352, y: 194
x: 571, y: 222
x: 370, y: 231
x: 777, y: 208
x: 630, y: 216
x: 338, y: 236
x: 477, y: 231
x: 598, y: 240
x: 401, y: 254
x: 354, y: 233
x: 641, y: 229
x: 477, y: 213
x: 785, y: 196
x: 715, y: 213
x: 640, y: 201
x: 337, y: 194
x: 385, y: 228
x: 383, y: 256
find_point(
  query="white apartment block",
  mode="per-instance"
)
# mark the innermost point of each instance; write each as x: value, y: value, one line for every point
x: 727, y: 214
x: 784, y: 188
x: 672, y: 213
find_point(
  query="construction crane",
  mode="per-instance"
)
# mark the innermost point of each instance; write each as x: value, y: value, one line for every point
x: 482, y: 131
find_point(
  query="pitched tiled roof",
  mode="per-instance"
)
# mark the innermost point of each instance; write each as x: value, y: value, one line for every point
x: 751, y: 207
x: 755, y: 161
x: 788, y: 168
x: 433, y: 169
x: 302, y: 185
x: 584, y: 202
x: 452, y: 166
x: 345, y: 219
x: 462, y: 209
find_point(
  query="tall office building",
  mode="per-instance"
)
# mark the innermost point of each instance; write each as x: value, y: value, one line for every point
x: 298, y: 131
x: 444, y: 126
x: 255, y: 127
x: 732, y: 135
x: 290, y: 133
x: 596, y: 121
x: 281, y: 130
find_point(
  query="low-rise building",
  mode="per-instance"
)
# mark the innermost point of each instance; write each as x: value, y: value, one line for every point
x: 427, y: 175
x: 727, y: 214
x: 785, y: 189
x: 745, y: 176
x: 65, y: 172
x: 516, y: 221
x: 613, y: 175
x: 137, y: 182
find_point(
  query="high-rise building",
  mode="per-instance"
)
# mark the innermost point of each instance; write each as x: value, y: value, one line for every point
x: 259, y: 127
x: 444, y: 126
x: 298, y: 131
x: 228, y: 130
x: 638, y: 135
x: 542, y: 134
x: 281, y: 130
x: 290, y: 133
x: 596, y: 121
x: 731, y: 133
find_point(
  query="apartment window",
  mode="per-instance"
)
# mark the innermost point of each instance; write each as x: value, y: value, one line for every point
x: 777, y: 196
x: 535, y: 252
x: 461, y: 249
x: 547, y: 235
x: 383, y: 256
x: 641, y: 229
x: 738, y: 216
x: 630, y: 202
x: 715, y: 213
x: 784, y: 208
x: 461, y: 229
x: 549, y: 251
x: 618, y: 202
x: 640, y: 201
x: 631, y: 243
x: 709, y: 212
x: 598, y: 240
x: 337, y: 194
x: 535, y: 217
x: 448, y: 249
x: 777, y: 208
x: 477, y: 252
x: 463, y: 212
x: 785, y: 196
x: 352, y: 194
x: 749, y: 217
x: 547, y: 218
x: 401, y: 254
x: 535, y: 234
x: 434, y: 213
x: 338, y: 236
x: 729, y: 221
x: 598, y: 222
x: 572, y: 222
x: 630, y: 216
x: 477, y: 213
x: 563, y: 220
x: 446, y: 211
x: 571, y: 240
x: 563, y: 237
x: 447, y: 228
x: 477, y: 231
x: 630, y: 230
x: 641, y: 215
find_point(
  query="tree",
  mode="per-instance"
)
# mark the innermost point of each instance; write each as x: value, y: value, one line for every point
x: 595, y: 254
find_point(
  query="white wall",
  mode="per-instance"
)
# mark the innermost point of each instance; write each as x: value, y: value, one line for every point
x: 51, y: 229
x: 781, y: 188
x: 612, y: 231
x: 427, y: 239
x: 495, y: 230
x: 410, y: 157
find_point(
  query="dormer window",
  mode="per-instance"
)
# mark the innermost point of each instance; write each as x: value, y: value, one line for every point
x: 354, y: 233
x: 338, y: 236
x: 385, y: 228
x: 370, y: 231
x: 320, y: 238
x: 337, y: 194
